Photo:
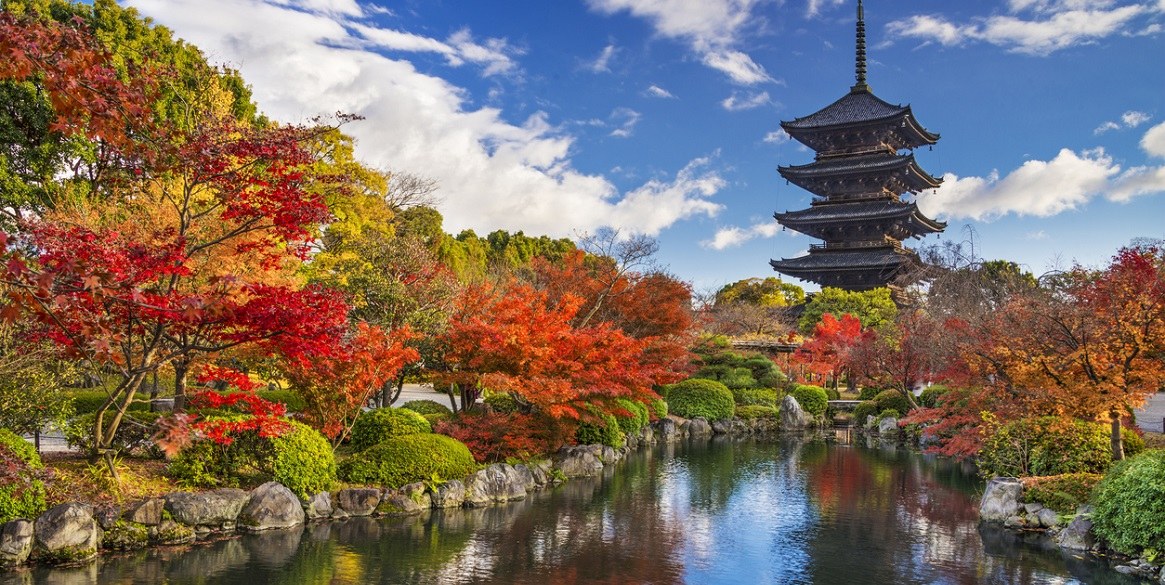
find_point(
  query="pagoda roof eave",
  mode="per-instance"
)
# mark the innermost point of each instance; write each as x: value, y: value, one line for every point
x: 844, y: 213
x: 863, y: 164
x: 819, y: 260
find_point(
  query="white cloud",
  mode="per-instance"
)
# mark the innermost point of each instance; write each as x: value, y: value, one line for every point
x: 1045, y: 188
x: 659, y: 92
x: 814, y: 6
x: 1132, y: 118
x: 1154, y: 141
x: 732, y: 236
x: 494, y: 56
x: 1105, y: 127
x: 625, y: 119
x: 777, y: 137
x: 1048, y: 25
x: 493, y: 173
x: 1036, y: 235
x: 601, y: 63
x: 737, y: 102
x: 712, y: 29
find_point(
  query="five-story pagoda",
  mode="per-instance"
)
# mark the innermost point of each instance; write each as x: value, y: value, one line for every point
x: 858, y: 178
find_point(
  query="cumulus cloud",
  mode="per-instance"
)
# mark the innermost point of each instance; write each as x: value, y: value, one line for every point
x: 712, y: 29
x: 659, y: 92
x: 493, y: 173
x: 1035, y: 27
x: 740, y: 102
x: 777, y: 137
x: 733, y: 236
x: 1045, y: 188
x: 814, y: 7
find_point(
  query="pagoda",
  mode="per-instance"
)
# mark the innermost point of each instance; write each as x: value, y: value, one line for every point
x: 864, y: 165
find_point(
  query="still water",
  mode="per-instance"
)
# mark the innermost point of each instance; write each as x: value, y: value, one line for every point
x: 753, y: 512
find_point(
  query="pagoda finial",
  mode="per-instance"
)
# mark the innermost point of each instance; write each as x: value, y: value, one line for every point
x: 861, y: 85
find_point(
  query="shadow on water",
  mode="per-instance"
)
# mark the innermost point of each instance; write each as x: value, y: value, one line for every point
x: 794, y: 510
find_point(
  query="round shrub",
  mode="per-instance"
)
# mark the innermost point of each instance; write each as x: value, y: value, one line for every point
x: 931, y: 394
x: 701, y: 398
x: 811, y: 398
x: 1050, y: 446
x: 868, y: 393
x: 659, y: 408
x: 755, y: 397
x: 379, y: 424
x: 1062, y: 493
x: 832, y: 394
x: 502, y: 402
x: 289, y: 398
x: 407, y: 459
x: 426, y: 407
x: 894, y: 399
x: 1130, y: 504
x: 22, y: 493
x: 889, y: 413
x: 636, y: 418
x: 602, y: 431
x: 774, y: 379
x: 759, y: 365
x: 302, y: 460
x: 863, y: 411
x: 739, y: 378
x: 755, y: 411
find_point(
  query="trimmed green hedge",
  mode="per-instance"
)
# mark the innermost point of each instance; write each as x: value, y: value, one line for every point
x: 406, y: 459
x: 1051, y: 446
x: 501, y: 402
x: 427, y: 407
x: 376, y: 425
x: 701, y: 398
x: 302, y: 460
x: 931, y: 394
x: 636, y: 419
x: 88, y: 401
x: 1062, y: 493
x: 22, y: 493
x: 755, y: 411
x: 812, y: 399
x: 1130, y: 504
x: 603, y: 431
x: 756, y: 397
x: 883, y: 400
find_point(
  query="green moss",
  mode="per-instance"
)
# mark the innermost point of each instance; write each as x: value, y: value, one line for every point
x: 409, y: 458
x: 380, y: 424
x: 124, y: 535
x: 701, y: 398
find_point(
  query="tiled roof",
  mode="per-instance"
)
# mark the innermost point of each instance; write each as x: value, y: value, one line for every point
x: 860, y: 210
x: 859, y: 106
x: 830, y: 260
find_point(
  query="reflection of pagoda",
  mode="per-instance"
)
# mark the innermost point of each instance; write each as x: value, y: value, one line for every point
x: 858, y: 179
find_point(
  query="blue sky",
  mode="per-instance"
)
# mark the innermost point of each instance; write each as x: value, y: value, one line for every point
x: 662, y: 116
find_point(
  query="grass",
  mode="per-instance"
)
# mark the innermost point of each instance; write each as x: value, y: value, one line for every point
x: 72, y: 478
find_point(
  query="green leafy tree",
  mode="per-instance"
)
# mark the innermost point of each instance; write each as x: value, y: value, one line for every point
x: 874, y: 308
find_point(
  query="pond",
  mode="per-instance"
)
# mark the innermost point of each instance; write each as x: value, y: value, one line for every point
x: 793, y: 510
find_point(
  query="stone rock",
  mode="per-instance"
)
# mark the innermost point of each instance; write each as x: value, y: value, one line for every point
x: 1078, y: 535
x: 1000, y: 499
x: 525, y: 478
x: 147, y: 512
x: 272, y: 505
x: 668, y: 431
x: 542, y: 473
x: 107, y: 515
x: 1048, y: 518
x: 793, y: 418
x: 631, y: 442
x: 16, y: 540
x: 418, y: 493
x: 722, y: 427
x: 1032, y: 508
x: 450, y: 494
x: 396, y: 503
x: 871, y: 421
x: 698, y: 428
x: 216, y: 509
x: 66, y: 533
x: 888, y: 426
x: 609, y: 455
x: 319, y: 506
x: 578, y: 462
x: 495, y: 484
x: 1015, y: 522
x: 358, y: 501
x: 124, y: 535
x: 647, y: 435
x: 170, y: 532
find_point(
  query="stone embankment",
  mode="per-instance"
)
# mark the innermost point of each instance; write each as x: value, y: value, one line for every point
x: 1003, y: 503
x: 77, y: 532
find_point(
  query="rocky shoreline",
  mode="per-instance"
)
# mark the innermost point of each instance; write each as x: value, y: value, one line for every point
x: 78, y: 532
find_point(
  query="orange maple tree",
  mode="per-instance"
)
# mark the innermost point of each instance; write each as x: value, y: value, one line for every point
x: 827, y: 353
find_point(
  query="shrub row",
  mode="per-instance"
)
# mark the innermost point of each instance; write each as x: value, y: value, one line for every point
x: 1050, y: 446
x: 22, y: 493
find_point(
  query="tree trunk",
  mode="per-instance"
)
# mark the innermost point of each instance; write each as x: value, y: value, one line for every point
x: 1118, y: 447
x: 181, y: 372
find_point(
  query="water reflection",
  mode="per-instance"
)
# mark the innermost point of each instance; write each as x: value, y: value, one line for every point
x: 791, y: 511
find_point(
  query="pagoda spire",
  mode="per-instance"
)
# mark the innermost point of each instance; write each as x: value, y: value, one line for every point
x: 861, y: 85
